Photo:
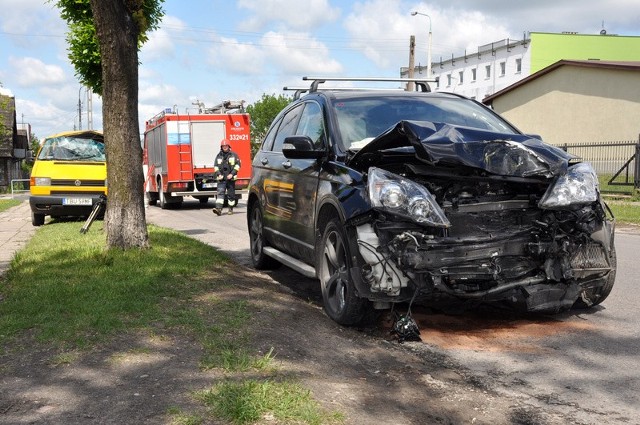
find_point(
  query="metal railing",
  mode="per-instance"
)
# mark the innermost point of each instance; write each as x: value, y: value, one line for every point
x: 14, y: 188
x: 618, y: 162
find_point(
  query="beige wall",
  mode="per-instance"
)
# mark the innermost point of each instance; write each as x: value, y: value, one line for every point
x: 576, y: 105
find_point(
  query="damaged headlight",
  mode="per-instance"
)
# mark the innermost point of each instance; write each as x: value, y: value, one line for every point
x: 395, y: 194
x: 578, y: 186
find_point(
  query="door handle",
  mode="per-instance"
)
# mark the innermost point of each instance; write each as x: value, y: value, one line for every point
x: 264, y: 161
x: 286, y: 164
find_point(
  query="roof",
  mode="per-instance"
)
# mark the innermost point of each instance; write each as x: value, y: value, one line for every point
x: 81, y: 133
x: 616, y: 65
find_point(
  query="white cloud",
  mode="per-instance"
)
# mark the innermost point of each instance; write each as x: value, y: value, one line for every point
x: 34, y: 72
x: 294, y: 14
x: 161, y: 44
x: 297, y: 53
x: 234, y: 57
x: 381, y: 29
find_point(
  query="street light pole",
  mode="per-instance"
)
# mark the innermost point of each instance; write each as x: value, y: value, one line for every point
x: 79, y: 109
x: 429, y: 49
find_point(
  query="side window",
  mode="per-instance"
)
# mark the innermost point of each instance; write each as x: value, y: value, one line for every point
x: 312, y: 125
x: 267, y: 143
x: 287, y: 127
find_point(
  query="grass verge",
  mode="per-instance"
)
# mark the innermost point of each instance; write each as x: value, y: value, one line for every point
x: 65, y: 290
x: 5, y: 204
x: 250, y: 401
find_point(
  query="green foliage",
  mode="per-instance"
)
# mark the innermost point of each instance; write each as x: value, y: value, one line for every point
x: 84, y: 51
x: 262, y: 114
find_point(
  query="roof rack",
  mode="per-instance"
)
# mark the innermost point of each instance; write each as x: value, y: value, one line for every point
x: 421, y: 83
x: 226, y: 107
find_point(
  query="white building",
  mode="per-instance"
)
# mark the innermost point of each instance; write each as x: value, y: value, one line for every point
x: 499, y: 64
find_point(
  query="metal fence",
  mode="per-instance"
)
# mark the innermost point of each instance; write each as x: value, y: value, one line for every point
x: 617, y: 163
x: 19, y: 186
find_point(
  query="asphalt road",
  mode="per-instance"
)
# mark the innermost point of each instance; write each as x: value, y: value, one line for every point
x: 587, y: 358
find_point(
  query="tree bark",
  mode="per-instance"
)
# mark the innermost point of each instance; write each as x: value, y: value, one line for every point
x: 117, y: 34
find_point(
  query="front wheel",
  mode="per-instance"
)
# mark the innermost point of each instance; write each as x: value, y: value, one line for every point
x: 341, y: 303
x: 37, y: 219
x: 257, y: 242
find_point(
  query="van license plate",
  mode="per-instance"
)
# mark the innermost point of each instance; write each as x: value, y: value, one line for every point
x: 76, y: 201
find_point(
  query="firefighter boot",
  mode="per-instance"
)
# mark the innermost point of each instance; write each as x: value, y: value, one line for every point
x: 217, y: 211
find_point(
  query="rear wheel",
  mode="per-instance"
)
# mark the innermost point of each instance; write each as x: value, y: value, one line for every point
x: 257, y: 242
x: 37, y: 219
x: 340, y: 300
x: 162, y: 196
x: 203, y: 199
x: 152, y: 198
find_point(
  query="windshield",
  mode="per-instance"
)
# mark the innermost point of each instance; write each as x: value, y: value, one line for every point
x: 361, y: 119
x: 72, y: 149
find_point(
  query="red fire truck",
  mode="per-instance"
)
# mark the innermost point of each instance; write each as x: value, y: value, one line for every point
x: 179, y: 151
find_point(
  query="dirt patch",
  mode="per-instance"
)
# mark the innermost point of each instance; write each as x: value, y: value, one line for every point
x: 141, y: 376
x: 495, y: 332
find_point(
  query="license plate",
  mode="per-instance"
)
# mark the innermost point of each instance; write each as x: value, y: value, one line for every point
x: 208, y: 185
x: 76, y: 201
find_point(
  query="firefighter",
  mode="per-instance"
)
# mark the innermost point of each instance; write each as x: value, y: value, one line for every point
x: 226, y: 168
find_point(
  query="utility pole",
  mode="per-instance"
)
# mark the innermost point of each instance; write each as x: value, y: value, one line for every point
x: 89, y: 109
x: 79, y: 109
x: 412, y: 55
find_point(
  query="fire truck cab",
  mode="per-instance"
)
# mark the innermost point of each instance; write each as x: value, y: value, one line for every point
x: 179, y: 151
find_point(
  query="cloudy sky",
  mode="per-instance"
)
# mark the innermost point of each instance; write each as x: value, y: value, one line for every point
x: 214, y: 50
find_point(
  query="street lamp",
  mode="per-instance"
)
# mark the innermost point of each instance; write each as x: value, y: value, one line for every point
x: 429, y: 50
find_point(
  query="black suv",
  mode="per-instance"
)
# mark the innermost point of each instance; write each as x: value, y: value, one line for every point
x: 399, y: 196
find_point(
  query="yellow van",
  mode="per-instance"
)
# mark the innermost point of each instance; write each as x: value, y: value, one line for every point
x: 69, y: 175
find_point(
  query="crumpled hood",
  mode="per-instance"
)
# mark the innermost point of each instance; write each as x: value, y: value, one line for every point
x: 502, y: 154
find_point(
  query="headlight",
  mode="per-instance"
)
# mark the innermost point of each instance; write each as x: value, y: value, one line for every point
x: 42, y: 181
x: 394, y: 194
x: 579, y: 186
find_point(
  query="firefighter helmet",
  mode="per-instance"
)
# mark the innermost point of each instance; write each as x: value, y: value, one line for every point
x: 224, y: 142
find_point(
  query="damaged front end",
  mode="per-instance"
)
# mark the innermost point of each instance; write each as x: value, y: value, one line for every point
x: 477, y: 217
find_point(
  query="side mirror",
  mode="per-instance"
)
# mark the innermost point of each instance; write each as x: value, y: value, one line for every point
x: 31, y: 158
x: 300, y: 147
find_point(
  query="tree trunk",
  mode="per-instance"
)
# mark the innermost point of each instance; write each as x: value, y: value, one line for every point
x: 117, y: 35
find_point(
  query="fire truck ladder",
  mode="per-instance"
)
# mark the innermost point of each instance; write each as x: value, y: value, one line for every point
x: 185, y: 158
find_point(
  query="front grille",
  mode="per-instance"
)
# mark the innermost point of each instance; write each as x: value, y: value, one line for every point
x: 66, y: 192
x: 77, y: 183
x: 590, y: 256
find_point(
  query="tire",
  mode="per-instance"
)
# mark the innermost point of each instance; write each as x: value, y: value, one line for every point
x: 151, y: 199
x: 341, y: 302
x: 598, y: 295
x: 203, y: 199
x: 257, y: 243
x: 37, y: 219
x: 162, y: 196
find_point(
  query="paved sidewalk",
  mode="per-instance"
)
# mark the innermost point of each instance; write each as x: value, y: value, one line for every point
x: 15, y: 231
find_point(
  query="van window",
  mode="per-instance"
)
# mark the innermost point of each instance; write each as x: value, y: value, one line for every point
x: 72, y: 149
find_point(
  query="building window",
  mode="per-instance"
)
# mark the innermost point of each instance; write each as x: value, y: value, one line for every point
x: 518, y: 66
x: 448, y: 80
x: 503, y: 68
x: 487, y: 70
x: 461, y: 74
x: 473, y: 74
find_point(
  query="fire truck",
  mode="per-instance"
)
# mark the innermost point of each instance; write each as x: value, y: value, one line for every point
x: 179, y: 151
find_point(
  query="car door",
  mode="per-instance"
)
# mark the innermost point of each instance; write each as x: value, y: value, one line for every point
x: 304, y: 174
x: 277, y: 180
